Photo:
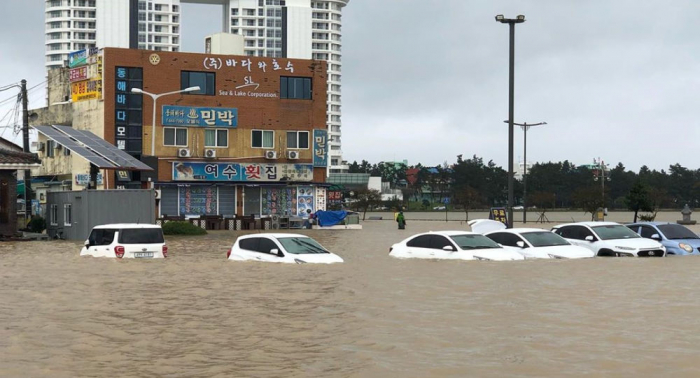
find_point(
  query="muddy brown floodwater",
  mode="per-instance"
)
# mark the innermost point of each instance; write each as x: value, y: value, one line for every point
x: 196, y: 314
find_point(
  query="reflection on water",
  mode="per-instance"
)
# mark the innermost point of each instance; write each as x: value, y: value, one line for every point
x: 197, y: 315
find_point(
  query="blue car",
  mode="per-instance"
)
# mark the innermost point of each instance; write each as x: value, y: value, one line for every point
x: 677, y: 239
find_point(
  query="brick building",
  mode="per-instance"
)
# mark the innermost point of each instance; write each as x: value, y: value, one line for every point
x: 251, y: 140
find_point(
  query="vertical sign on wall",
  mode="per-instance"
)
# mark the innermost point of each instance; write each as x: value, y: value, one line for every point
x: 128, y: 120
x: 320, y: 148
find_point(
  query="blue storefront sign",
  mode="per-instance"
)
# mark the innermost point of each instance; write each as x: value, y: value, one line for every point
x: 320, y: 148
x: 252, y: 172
x: 199, y: 116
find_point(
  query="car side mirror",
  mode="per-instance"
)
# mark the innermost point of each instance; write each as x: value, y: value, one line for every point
x: 87, y: 243
x: 590, y: 238
x: 277, y: 252
x: 448, y: 248
x: 520, y: 244
x: 656, y: 237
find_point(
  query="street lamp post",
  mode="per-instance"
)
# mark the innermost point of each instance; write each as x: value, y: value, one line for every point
x: 156, y: 97
x: 601, y: 175
x: 525, y: 126
x: 511, y: 21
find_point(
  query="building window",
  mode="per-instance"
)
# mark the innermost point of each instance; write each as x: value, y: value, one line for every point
x: 205, y: 80
x: 67, y: 215
x: 175, y: 136
x: 263, y: 139
x: 53, y: 215
x: 66, y: 152
x: 215, y: 138
x: 50, y: 145
x: 295, y: 88
x: 298, y: 139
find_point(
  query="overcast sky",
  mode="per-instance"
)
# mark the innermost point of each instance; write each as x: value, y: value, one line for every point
x: 617, y: 80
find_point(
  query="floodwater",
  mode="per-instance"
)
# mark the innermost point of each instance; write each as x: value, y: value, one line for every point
x: 196, y: 314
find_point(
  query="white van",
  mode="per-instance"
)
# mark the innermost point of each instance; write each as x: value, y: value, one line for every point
x: 140, y: 241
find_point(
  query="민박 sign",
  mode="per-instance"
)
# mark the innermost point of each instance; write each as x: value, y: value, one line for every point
x: 198, y: 116
x: 252, y: 172
x: 320, y: 149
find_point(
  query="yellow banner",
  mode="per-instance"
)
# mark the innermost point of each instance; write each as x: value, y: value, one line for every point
x: 86, y: 90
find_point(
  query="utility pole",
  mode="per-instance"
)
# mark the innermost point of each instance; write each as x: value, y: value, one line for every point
x: 25, y: 138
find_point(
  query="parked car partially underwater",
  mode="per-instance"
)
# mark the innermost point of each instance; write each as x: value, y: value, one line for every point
x: 137, y: 241
x: 452, y: 245
x: 677, y: 239
x: 281, y: 248
x: 609, y: 239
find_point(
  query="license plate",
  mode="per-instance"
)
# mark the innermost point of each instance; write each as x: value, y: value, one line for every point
x: 143, y: 255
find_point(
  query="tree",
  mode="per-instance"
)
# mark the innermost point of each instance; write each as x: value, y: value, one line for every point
x: 638, y: 199
x: 587, y: 198
x: 468, y: 197
x: 543, y: 201
x: 366, y: 198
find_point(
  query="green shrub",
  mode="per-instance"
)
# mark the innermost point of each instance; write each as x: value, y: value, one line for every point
x: 37, y: 224
x: 182, y: 228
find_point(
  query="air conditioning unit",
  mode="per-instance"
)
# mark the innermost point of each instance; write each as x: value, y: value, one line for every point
x: 270, y: 154
x: 210, y: 153
x: 183, y: 152
x: 292, y: 155
x: 158, y: 194
x: 41, y: 146
x: 58, y: 146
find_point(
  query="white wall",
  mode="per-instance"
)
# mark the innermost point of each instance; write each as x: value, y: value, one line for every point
x: 298, y: 32
x: 112, y: 23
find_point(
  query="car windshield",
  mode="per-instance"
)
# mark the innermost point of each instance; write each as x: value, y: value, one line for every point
x: 544, y: 239
x: 616, y: 231
x: 474, y: 241
x: 298, y: 245
x: 676, y: 231
x: 141, y: 236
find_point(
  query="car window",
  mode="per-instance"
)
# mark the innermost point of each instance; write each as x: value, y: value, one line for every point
x: 467, y: 241
x: 676, y: 231
x: 141, y: 236
x: 498, y: 237
x: 634, y: 228
x: 439, y: 242
x: 422, y: 241
x: 266, y: 245
x: 508, y: 239
x: 250, y: 244
x: 102, y: 236
x: 584, y: 232
x: 301, y: 245
x: 616, y: 231
x: 544, y: 239
x: 569, y: 232
x: 647, y: 231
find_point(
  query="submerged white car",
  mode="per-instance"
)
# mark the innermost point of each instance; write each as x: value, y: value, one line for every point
x: 283, y: 248
x: 452, y: 245
x: 609, y: 239
x: 536, y: 243
x: 138, y: 241
x: 532, y: 243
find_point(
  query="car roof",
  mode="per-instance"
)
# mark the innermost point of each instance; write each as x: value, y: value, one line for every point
x: 518, y: 230
x: 648, y: 223
x: 589, y: 224
x: 127, y: 225
x: 272, y: 235
x: 448, y: 233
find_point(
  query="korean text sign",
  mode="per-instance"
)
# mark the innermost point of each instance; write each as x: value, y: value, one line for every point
x: 251, y: 172
x: 320, y: 148
x: 499, y: 214
x: 198, y: 116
